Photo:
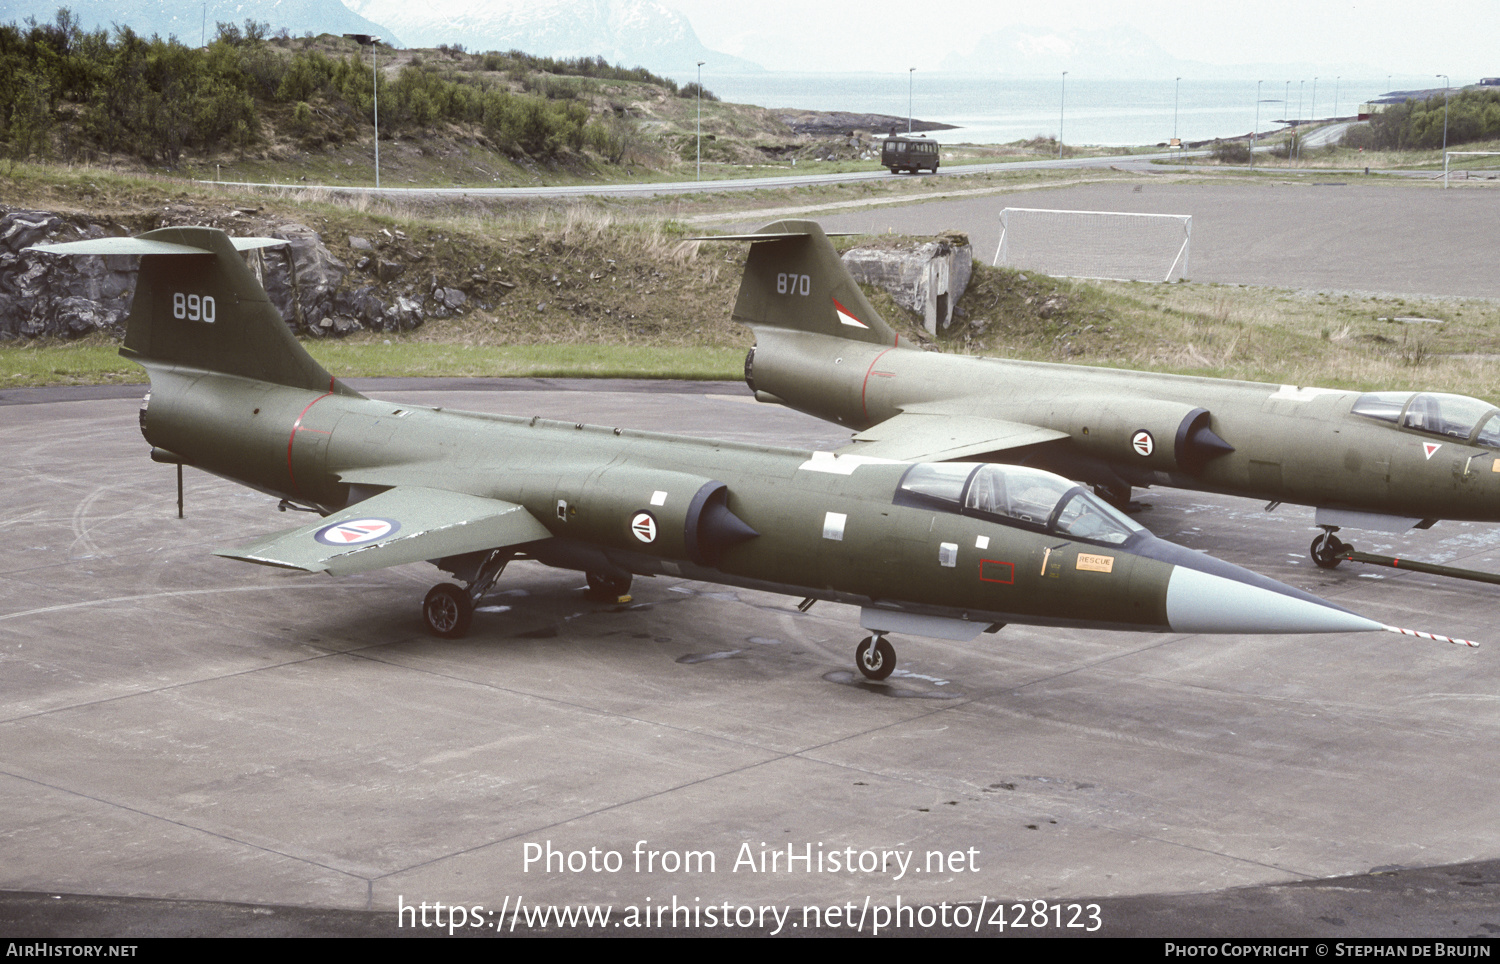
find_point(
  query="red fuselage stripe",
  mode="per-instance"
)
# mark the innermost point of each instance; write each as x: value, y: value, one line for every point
x: 297, y: 427
x: 866, y: 383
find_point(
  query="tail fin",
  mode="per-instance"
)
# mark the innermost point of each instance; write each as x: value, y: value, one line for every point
x: 198, y: 305
x: 794, y: 279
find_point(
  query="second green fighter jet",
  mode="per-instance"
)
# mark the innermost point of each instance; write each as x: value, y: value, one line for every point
x: 1388, y: 461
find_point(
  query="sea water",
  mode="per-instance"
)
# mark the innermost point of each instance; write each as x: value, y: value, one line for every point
x: 997, y: 110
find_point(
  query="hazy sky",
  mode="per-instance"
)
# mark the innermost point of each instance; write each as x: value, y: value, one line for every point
x: 1457, y: 37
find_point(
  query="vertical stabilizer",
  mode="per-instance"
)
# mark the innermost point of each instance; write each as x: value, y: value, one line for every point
x: 795, y: 280
x: 198, y: 305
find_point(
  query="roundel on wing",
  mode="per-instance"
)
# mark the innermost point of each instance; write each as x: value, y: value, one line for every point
x: 1143, y: 443
x: 643, y: 526
x: 356, y: 532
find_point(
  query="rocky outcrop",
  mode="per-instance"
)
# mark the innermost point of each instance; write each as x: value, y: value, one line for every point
x: 59, y: 297
x: 843, y: 122
x: 43, y: 296
x: 927, y: 278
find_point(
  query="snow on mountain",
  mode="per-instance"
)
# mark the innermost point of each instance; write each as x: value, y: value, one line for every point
x: 192, y: 23
x: 629, y: 32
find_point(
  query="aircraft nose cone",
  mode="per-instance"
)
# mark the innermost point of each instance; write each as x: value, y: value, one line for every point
x: 1202, y: 602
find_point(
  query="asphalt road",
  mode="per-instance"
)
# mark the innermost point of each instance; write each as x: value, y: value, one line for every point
x: 1323, y: 231
x: 193, y: 745
x: 1129, y: 162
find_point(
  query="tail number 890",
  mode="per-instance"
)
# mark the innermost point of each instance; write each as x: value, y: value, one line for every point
x: 194, y: 307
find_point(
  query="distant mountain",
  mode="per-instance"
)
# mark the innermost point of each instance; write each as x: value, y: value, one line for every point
x: 1118, y: 52
x: 189, y: 22
x: 633, y: 33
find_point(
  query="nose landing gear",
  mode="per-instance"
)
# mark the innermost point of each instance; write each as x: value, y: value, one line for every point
x: 1328, y: 550
x: 875, y: 657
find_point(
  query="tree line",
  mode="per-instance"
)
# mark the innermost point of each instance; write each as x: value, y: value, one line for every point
x: 1472, y: 115
x: 72, y: 94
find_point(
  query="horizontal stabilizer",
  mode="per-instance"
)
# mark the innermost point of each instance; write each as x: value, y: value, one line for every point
x: 400, y: 525
x: 138, y: 246
x: 768, y: 236
x: 931, y: 436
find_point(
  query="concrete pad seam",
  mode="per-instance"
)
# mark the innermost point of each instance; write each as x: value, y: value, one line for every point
x: 164, y: 594
x: 720, y: 738
x: 182, y: 824
x: 179, y: 684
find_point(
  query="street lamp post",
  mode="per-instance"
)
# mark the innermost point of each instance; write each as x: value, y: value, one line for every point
x: 911, y: 74
x: 1062, y: 101
x: 365, y: 40
x: 1176, y: 102
x: 700, y: 119
x: 1286, y: 96
x: 1447, y: 84
x: 1336, y: 96
x: 1257, y: 122
x: 1300, y: 91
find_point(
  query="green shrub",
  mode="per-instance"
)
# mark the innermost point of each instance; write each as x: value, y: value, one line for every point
x: 1231, y: 152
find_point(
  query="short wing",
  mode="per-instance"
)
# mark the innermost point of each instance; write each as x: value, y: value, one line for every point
x: 400, y: 525
x: 920, y: 435
x: 146, y: 246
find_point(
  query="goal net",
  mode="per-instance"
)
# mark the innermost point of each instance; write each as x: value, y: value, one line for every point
x: 1466, y: 172
x: 1109, y: 245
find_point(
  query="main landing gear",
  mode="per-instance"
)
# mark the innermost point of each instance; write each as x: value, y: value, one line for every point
x: 449, y: 609
x: 1328, y: 550
x: 605, y: 587
x: 875, y: 657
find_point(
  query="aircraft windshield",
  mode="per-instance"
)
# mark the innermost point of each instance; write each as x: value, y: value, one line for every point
x: 1385, y: 406
x: 1015, y: 493
x: 1455, y: 416
x: 1451, y: 415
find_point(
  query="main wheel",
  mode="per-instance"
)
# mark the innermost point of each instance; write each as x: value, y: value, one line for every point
x: 1327, y: 551
x: 875, y: 657
x: 448, y: 611
x: 604, y: 586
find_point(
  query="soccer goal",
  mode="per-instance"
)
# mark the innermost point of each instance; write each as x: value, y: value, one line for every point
x: 1106, y: 245
x: 1448, y: 155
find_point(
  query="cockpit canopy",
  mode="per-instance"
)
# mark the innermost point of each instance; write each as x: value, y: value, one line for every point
x: 1014, y: 494
x: 1452, y: 416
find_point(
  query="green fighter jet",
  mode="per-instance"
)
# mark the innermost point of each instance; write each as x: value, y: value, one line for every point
x: 1387, y: 461
x: 941, y: 550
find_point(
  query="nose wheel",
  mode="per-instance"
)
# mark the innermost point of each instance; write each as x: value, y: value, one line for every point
x: 875, y: 657
x: 1328, y: 550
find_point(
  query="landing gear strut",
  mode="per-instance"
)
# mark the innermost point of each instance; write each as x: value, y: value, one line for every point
x: 1328, y: 550
x: 449, y: 609
x: 875, y: 657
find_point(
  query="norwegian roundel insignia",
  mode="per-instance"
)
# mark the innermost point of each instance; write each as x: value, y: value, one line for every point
x: 1143, y: 443
x: 643, y: 526
x: 356, y: 532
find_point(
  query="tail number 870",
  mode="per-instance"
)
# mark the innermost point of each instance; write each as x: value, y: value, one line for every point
x: 793, y: 284
x: 194, y: 307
